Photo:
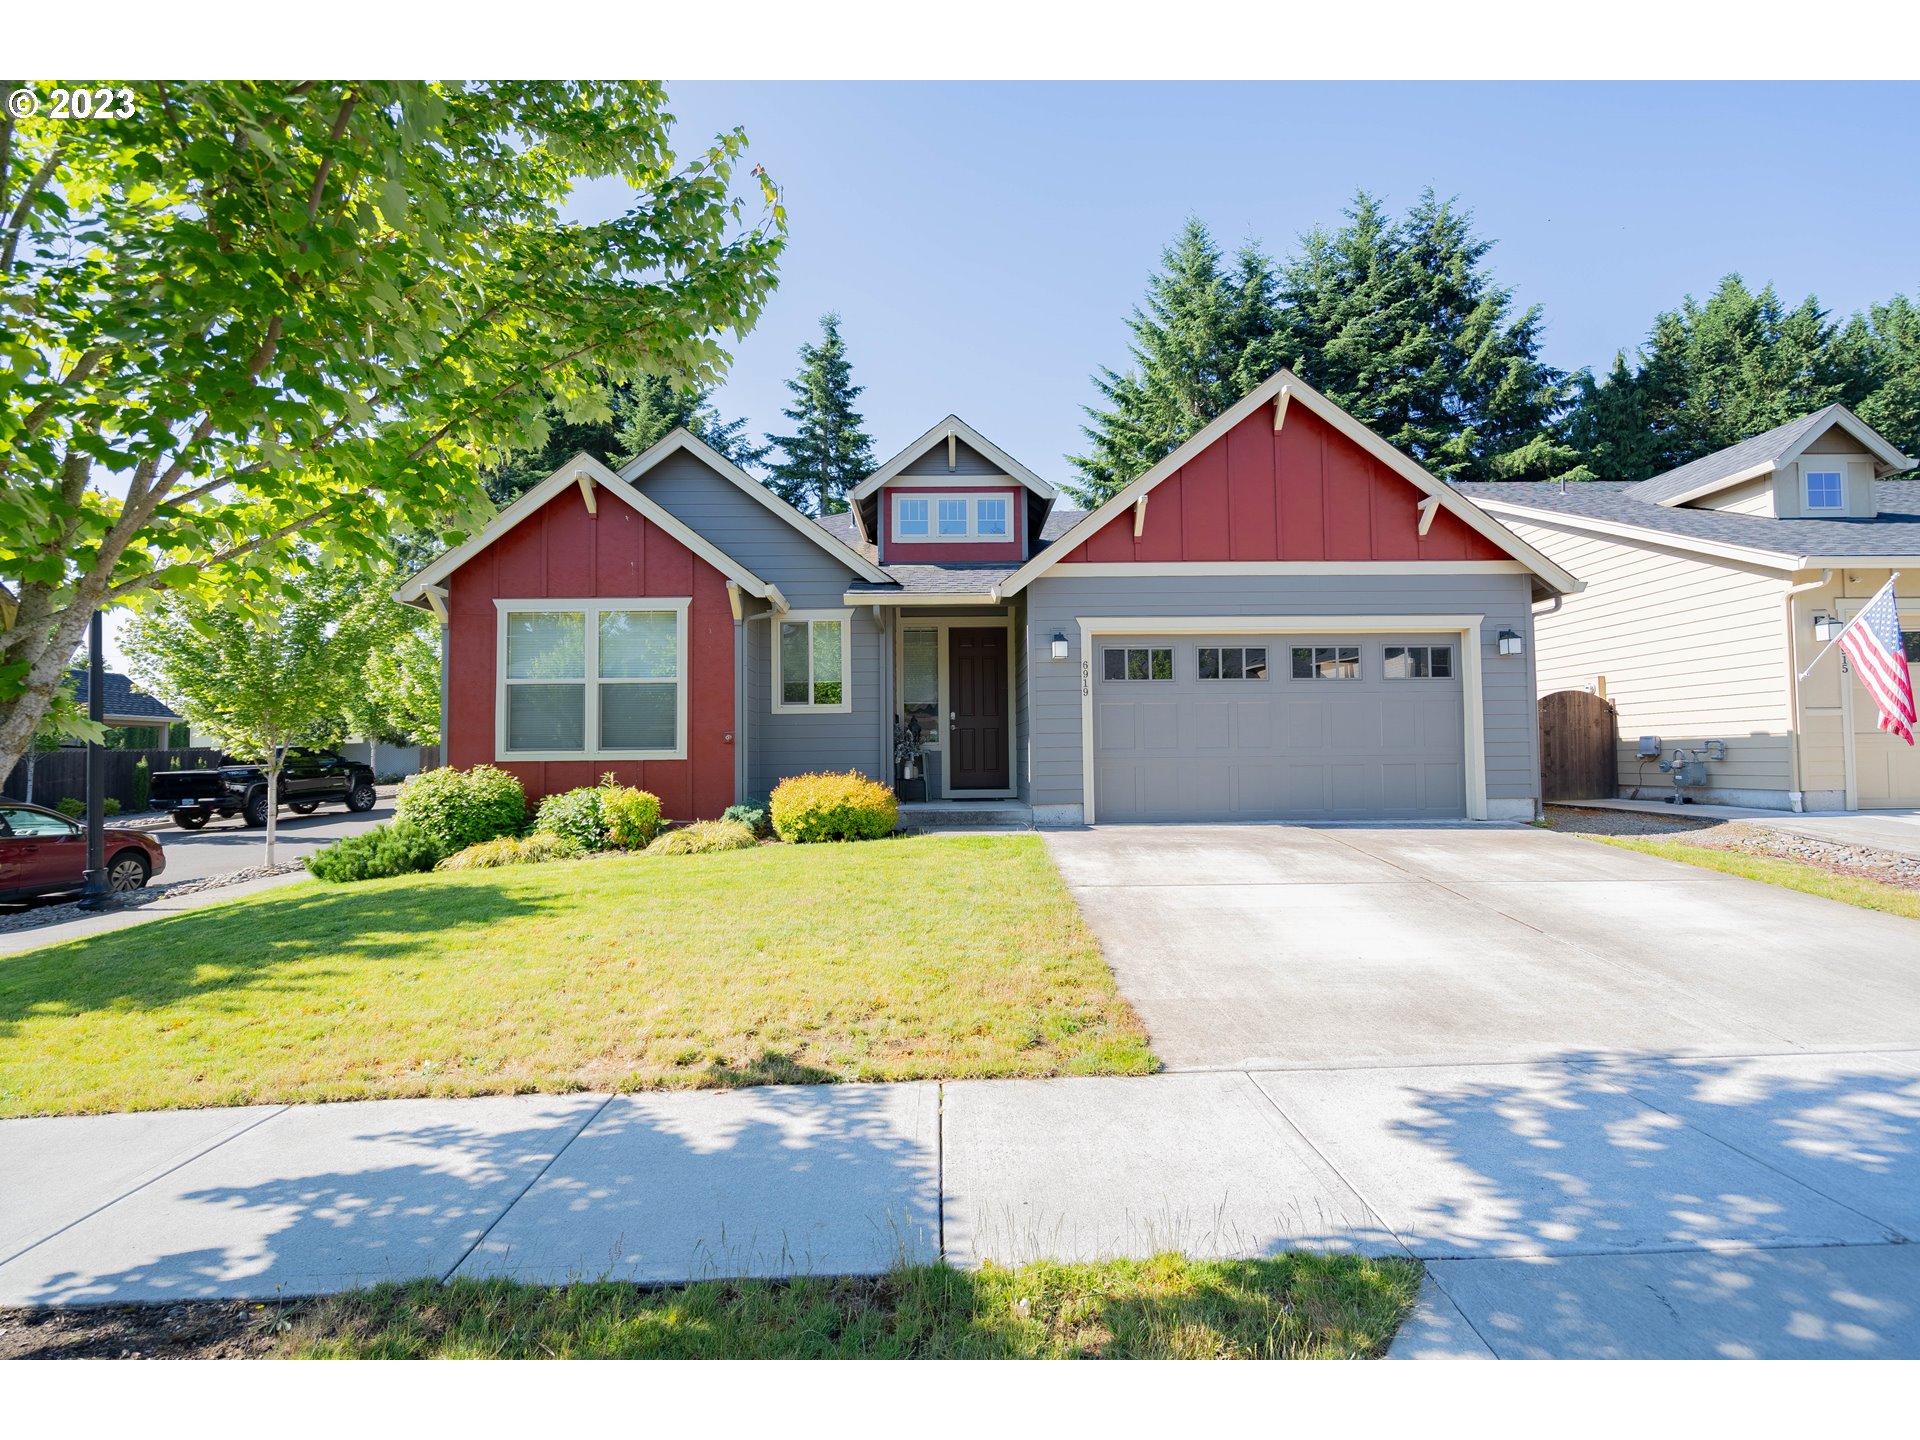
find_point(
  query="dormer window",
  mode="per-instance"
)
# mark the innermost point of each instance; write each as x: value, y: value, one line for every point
x: 953, y: 517
x: 991, y: 515
x: 913, y: 517
x: 1826, y: 490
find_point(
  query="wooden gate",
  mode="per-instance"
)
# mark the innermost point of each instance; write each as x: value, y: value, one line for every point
x: 1579, y: 747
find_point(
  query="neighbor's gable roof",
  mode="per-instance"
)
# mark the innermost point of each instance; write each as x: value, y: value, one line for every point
x: 1762, y: 454
x: 585, y: 471
x: 1298, y: 392
x: 119, y: 696
x: 953, y: 426
x: 681, y: 438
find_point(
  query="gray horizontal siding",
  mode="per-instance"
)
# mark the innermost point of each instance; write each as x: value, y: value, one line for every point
x: 966, y: 461
x: 1053, y: 692
x: 811, y: 579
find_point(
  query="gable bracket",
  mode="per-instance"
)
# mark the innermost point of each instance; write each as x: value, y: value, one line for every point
x: 1280, y: 407
x: 1139, y: 516
x: 586, y: 492
x: 1429, y: 507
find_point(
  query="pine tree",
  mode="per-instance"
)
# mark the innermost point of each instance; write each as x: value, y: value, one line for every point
x: 1401, y: 324
x: 830, y: 450
x: 1889, y: 368
x: 1205, y: 336
x: 622, y: 422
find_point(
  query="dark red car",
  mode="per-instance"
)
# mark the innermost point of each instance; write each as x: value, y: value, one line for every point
x: 42, y: 852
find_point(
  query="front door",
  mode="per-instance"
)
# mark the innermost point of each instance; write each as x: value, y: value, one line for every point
x: 977, y: 725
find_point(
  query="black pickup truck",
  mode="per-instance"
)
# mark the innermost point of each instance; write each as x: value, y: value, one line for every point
x: 308, y: 778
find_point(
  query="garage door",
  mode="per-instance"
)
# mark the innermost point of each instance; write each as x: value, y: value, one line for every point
x: 1250, y: 727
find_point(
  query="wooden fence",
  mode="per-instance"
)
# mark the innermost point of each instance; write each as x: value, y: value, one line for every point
x: 62, y: 774
x: 1579, y: 747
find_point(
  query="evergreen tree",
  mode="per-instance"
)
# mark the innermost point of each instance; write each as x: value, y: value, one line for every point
x: 1402, y: 324
x: 1207, y: 334
x: 622, y: 422
x: 830, y: 451
x: 1889, y: 368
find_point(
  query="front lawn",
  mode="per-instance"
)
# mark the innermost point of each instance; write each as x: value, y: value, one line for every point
x: 911, y: 958
x: 1294, y: 1306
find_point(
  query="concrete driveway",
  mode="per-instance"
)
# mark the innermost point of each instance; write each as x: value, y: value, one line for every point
x: 1278, y: 947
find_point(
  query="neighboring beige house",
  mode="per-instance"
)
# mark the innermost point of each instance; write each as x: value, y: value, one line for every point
x: 1704, y: 587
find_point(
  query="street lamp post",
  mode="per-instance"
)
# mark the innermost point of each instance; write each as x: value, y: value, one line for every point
x: 93, y: 893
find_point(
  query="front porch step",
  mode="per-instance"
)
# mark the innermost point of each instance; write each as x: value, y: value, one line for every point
x: 965, y: 815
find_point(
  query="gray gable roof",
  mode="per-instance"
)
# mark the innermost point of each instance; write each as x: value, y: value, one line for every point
x: 1894, y: 531
x: 119, y: 697
x: 1763, y: 451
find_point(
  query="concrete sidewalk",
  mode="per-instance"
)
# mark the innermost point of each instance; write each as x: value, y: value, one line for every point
x: 1591, y: 1206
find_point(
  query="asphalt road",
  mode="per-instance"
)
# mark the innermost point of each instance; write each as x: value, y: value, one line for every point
x: 230, y: 845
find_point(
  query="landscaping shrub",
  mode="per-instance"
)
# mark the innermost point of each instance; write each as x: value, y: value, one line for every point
x: 704, y: 837
x: 601, y: 817
x: 459, y: 808
x: 632, y: 816
x: 511, y: 850
x: 753, y: 814
x: 807, y: 808
x: 396, y: 849
x: 75, y: 809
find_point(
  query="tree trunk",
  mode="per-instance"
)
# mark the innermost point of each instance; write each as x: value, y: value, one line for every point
x: 31, y: 757
x: 273, y: 800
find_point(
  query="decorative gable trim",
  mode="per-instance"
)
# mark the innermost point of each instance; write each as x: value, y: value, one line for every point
x: 1278, y: 390
x: 583, y: 470
x: 951, y: 428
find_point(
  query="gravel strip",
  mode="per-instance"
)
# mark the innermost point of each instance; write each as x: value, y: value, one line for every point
x: 1747, y: 837
x: 70, y: 910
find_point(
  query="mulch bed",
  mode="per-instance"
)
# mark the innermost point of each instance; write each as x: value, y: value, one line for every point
x: 190, y: 1330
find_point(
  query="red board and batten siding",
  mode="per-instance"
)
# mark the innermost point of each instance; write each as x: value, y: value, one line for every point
x: 1306, y: 493
x: 563, y: 552
x: 933, y: 549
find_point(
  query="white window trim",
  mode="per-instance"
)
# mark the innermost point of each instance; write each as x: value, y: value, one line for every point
x: 592, y: 610
x: 900, y: 503
x: 971, y: 499
x: 845, y: 617
x: 1808, y: 469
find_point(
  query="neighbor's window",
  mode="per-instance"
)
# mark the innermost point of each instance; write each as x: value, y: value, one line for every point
x: 913, y: 517
x: 953, y: 517
x: 600, y: 678
x: 920, y: 681
x: 990, y: 515
x: 1233, y: 662
x: 810, y: 661
x: 1326, y: 662
x: 1418, y: 662
x: 1139, y: 663
x: 1825, y: 490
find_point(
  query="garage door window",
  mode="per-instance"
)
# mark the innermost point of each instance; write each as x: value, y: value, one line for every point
x: 1139, y: 663
x: 1326, y: 662
x: 1419, y: 662
x: 1233, y: 662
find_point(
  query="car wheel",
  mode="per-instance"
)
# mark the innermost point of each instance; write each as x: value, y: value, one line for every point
x: 255, y: 813
x: 128, y: 871
x: 361, y: 797
x: 303, y: 807
x: 190, y: 819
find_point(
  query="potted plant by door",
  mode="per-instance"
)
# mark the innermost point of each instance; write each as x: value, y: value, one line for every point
x: 909, y: 780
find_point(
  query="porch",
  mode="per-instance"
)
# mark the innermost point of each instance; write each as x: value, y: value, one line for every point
x: 954, y: 678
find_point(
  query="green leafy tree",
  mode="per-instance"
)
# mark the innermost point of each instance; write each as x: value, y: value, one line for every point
x: 1402, y: 324
x: 1886, y: 345
x: 255, y: 682
x: 250, y: 313
x: 1207, y: 333
x: 639, y: 415
x: 830, y: 451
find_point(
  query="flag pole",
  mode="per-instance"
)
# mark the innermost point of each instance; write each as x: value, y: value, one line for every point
x: 1844, y: 628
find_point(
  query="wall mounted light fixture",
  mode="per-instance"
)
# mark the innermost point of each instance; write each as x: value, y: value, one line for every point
x: 1511, y: 643
x: 1827, y: 628
x: 1059, y: 645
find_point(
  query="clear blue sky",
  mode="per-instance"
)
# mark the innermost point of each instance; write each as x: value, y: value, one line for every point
x: 984, y: 242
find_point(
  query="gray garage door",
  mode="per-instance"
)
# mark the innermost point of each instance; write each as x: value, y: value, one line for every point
x: 1250, y: 727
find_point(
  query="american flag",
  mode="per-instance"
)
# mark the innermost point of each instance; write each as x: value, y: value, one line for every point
x: 1872, y: 642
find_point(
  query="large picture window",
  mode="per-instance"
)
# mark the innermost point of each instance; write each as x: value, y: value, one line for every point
x: 590, y: 679
x: 810, y: 666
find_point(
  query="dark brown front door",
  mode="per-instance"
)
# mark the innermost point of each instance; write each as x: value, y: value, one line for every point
x: 977, y: 691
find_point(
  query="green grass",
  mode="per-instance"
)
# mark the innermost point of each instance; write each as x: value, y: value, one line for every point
x: 1294, y: 1306
x: 1793, y: 874
x: 958, y: 956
